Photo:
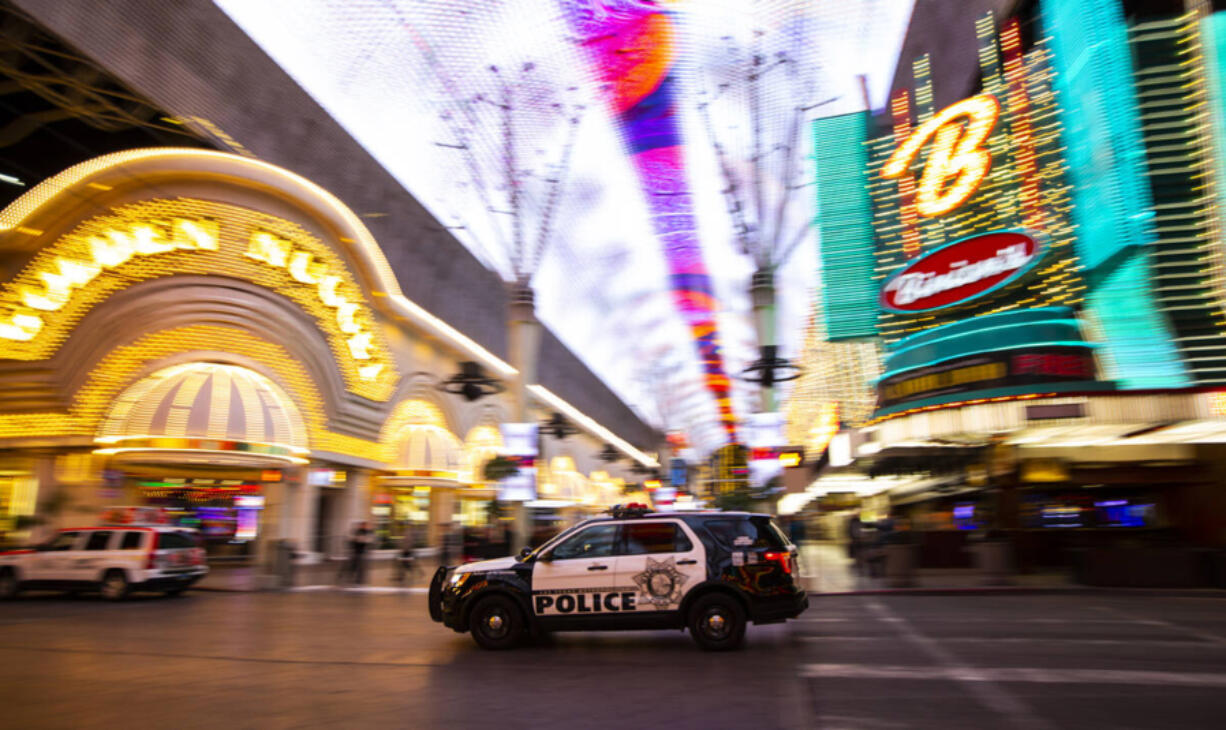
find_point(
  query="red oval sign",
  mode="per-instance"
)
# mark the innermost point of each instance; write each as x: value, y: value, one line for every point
x: 961, y: 271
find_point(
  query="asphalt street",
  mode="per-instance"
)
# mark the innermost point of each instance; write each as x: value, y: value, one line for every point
x: 328, y: 658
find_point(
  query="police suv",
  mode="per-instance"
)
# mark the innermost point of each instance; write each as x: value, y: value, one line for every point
x: 710, y: 572
x: 113, y: 559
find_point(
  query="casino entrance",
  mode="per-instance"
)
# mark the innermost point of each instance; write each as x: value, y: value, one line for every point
x: 217, y: 446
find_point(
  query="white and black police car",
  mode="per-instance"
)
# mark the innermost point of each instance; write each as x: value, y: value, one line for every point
x: 710, y: 572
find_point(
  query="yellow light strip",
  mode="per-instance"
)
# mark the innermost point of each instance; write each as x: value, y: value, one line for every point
x: 591, y: 426
x: 278, y: 457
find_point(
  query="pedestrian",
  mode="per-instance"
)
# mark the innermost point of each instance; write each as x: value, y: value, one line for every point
x: 407, y: 564
x: 451, y: 545
x: 855, y: 536
x: 359, y: 540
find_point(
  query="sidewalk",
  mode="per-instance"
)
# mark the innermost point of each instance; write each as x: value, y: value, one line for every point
x: 826, y: 568
x: 380, y: 577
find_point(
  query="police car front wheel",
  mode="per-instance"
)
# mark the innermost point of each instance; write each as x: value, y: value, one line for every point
x: 717, y: 622
x: 496, y: 623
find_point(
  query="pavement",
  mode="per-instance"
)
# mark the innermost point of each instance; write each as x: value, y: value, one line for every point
x: 336, y: 658
x: 826, y: 568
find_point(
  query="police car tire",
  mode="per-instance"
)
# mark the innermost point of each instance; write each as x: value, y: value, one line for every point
x: 496, y: 623
x: 10, y: 586
x: 717, y: 622
x: 115, y: 586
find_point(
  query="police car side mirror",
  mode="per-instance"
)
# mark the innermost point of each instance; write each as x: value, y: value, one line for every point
x: 523, y: 554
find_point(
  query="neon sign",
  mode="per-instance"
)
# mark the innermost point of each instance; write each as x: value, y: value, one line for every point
x: 958, y: 161
x: 281, y: 253
x: 113, y: 248
x: 961, y: 271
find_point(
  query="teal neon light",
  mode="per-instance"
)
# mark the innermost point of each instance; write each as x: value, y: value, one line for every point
x: 844, y: 223
x: 1112, y: 201
x: 1137, y: 351
x: 1113, y: 208
x: 1013, y: 330
x: 974, y: 324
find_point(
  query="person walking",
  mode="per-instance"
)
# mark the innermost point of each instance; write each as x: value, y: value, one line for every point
x: 359, y: 540
x: 406, y: 565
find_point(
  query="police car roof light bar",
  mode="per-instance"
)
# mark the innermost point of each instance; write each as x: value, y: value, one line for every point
x: 631, y: 509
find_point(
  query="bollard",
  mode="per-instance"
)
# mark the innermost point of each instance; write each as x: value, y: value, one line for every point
x: 899, y: 565
x: 994, y: 560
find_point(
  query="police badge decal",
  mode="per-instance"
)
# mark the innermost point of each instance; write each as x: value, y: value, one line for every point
x: 661, y: 582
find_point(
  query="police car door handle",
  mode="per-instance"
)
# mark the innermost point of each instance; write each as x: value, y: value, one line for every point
x: 687, y: 562
x: 597, y: 567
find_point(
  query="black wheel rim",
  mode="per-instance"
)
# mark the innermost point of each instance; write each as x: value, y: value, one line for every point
x: 716, y: 623
x: 495, y: 623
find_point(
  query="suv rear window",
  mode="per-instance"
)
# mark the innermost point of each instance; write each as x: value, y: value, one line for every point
x: 131, y: 541
x: 639, y: 538
x: 746, y: 532
x: 175, y: 541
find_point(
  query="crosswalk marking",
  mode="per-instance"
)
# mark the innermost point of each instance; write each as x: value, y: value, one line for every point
x: 1017, y: 674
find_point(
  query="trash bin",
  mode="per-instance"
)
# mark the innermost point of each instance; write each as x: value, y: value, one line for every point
x: 899, y: 565
x: 994, y: 561
x: 283, y: 564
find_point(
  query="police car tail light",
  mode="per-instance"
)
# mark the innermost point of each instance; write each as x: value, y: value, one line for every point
x: 784, y: 560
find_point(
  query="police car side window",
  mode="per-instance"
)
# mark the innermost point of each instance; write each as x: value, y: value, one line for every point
x: 594, y: 542
x: 131, y: 541
x: 649, y: 538
x: 175, y: 541
x: 98, y: 540
x: 742, y: 533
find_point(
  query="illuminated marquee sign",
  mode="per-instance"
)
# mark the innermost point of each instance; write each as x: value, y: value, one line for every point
x: 958, y: 161
x: 300, y: 264
x: 989, y: 370
x: 114, y: 248
x: 961, y: 271
x: 42, y: 304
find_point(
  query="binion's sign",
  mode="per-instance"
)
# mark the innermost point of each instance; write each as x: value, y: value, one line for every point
x: 961, y: 271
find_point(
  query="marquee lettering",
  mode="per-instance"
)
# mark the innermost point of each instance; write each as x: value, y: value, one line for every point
x: 280, y: 253
x: 114, y: 247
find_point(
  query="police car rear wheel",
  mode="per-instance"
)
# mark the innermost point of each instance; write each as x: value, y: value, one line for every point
x: 496, y: 623
x: 115, y: 586
x: 717, y: 622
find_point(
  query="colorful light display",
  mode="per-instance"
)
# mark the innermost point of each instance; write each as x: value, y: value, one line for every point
x: 1113, y: 205
x: 630, y: 45
x: 988, y: 163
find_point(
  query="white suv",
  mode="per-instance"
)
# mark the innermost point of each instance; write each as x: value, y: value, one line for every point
x: 113, y: 559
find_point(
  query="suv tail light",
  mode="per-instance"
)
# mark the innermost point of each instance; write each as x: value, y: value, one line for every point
x: 153, y: 548
x: 783, y: 558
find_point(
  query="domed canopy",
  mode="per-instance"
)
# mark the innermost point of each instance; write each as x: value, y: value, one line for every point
x: 427, y: 451
x: 206, y: 407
